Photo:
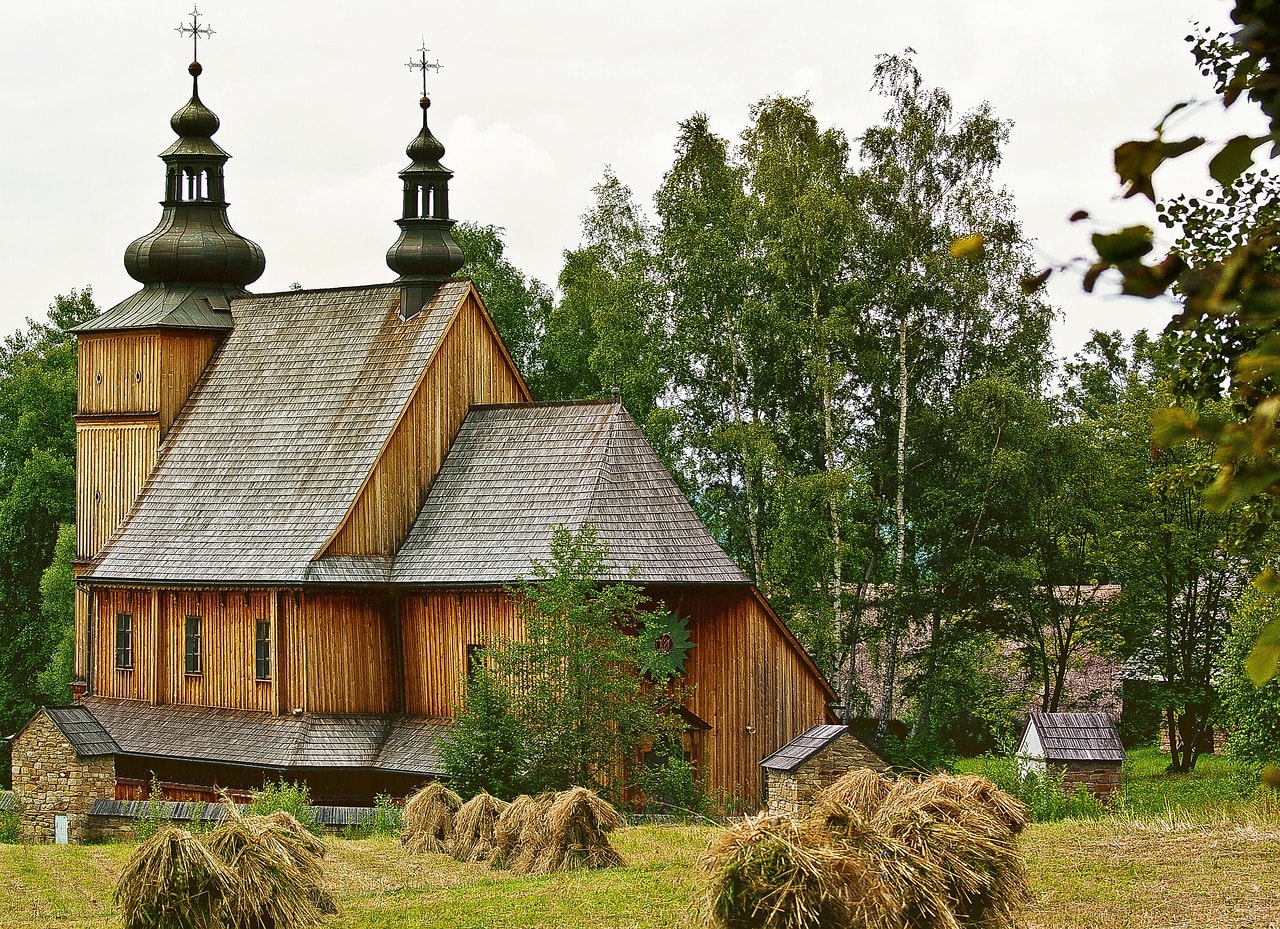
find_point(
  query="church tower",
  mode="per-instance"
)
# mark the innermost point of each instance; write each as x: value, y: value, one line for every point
x: 139, y: 361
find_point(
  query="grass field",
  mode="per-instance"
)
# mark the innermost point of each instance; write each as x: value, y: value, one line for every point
x: 1163, y: 873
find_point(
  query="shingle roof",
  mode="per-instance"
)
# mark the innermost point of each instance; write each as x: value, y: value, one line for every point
x: 209, y: 734
x: 186, y: 810
x: 189, y: 306
x: 82, y: 730
x: 1078, y: 736
x: 515, y: 471
x: 803, y: 747
x: 272, y: 448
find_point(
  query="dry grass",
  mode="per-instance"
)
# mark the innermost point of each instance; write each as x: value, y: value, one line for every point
x: 474, y: 826
x: 861, y: 789
x: 428, y: 819
x: 174, y: 882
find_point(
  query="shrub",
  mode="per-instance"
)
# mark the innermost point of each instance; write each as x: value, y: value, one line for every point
x: 155, y: 814
x: 673, y: 787
x: 8, y: 828
x: 292, y: 798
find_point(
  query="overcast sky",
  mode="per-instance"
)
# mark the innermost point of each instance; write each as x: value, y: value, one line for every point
x: 534, y: 100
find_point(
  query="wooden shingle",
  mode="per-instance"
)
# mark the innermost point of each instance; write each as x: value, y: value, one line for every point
x: 1077, y: 736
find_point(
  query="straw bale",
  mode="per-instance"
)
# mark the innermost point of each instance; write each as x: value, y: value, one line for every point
x: 532, y: 835
x: 277, y: 878
x: 474, y: 827
x: 861, y: 788
x: 428, y: 819
x: 172, y: 880
x: 507, y: 830
x: 578, y: 823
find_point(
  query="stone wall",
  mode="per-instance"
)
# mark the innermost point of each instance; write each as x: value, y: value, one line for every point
x: 1100, y: 778
x: 49, y: 778
x: 792, y: 793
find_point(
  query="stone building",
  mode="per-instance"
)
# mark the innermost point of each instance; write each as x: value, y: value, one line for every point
x: 63, y: 760
x: 795, y: 773
x: 1085, y: 747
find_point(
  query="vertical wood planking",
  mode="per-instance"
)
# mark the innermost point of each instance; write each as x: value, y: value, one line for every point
x: 338, y: 653
x: 458, y: 376
x: 112, y: 463
x: 227, y: 625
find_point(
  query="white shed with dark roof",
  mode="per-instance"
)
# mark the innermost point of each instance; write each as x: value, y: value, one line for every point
x: 1084, y: 747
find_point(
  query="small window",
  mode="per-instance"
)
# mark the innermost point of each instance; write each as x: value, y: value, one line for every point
x: 193, y: 645
x: 124, y: 641
x: 262, y: 650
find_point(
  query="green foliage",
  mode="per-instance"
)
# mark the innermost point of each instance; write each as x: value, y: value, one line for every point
x: 293, y: 798
x: 57, y: 611
x: 1252, y: 712
x: 673, y: 786
x: 572, y: 686
x: 1042, y: 792
x: 9, y: 823
x: 155, y: 815
x: 486, y: 748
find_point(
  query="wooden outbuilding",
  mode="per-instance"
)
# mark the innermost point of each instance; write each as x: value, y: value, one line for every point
x: 797, y: 772
x: 298, y: 514
x: 1084, y: 747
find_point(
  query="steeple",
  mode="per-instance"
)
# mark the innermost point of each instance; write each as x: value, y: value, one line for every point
x: 193, y: 262
x: 425, y: 254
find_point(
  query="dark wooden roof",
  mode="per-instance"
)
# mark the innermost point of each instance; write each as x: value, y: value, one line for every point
x: 82, y: 730
x: 188, y: 810
x: 515, y: 471
x: 1077, y: 736
x: 803, y: 747
x: 175, y: 306
x: 404, y: 744
x: 274, y: 444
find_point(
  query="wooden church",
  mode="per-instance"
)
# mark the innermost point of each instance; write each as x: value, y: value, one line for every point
x: 297, y: 512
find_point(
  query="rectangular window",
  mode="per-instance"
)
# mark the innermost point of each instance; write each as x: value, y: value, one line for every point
x: 262, y: 651
x: 192, y: 650
x: 124, y: 641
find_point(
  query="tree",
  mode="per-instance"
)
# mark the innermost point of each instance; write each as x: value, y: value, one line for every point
x: 486, y: 747
x: 1253, y: 712
x: 37, y: 488
x: 573, y: 684
x: 57, y: 613
x: 518, y: 305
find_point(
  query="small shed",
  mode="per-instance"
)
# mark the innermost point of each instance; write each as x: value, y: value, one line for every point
x: 795, y: 773
x: 1085, y: 746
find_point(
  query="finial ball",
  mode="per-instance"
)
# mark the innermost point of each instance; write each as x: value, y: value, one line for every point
x: 424, y: 102
x: 194, y: 69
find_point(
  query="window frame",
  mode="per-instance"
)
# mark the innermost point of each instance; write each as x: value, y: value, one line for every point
x: 124, y: 626
x: 192, y: 652
x: 262, y: 650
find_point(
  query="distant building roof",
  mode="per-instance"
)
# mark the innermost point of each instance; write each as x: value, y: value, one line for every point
x: 803, y: 747
x: 515, y: 471
x: 1076, y: 736
x: 404, y: 744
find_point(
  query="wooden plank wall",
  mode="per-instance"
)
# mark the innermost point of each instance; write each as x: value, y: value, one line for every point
x: 113, y: 461
x: 228, y: 623
x: 152, y: 371
x: 469, y: 367
x: 744, y: 673
x: 108, y: 681
x: 436, y: 628
x: 338, y: 653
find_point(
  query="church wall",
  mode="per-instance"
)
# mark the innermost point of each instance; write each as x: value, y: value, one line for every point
x: 470, y: 366
x: 137, y: 682
x: 749, y: 681
x: 113, y: 460
x: 339, y: 653
x: 436, y: 628
x: 228, y: 624
x: 151, y: 371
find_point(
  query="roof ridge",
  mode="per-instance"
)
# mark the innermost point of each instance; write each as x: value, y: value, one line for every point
x: 588, y: 507
x: 543, y: 404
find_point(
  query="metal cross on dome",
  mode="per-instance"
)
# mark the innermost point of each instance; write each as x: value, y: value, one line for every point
x: 195, y: 30
x: 423, y: 65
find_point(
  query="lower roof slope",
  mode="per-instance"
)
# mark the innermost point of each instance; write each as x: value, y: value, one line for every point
x: 516, y: 471
x: 405, y: 744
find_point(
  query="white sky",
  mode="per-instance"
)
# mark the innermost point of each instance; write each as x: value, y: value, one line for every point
x: 534, y: 100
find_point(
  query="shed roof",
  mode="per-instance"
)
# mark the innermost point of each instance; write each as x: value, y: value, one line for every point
x: 803, y: 747
x: 82, y: 730
x: 515, y: 471
x: 242, y: 737
x: 1077, y: 736
x: 273, y: 446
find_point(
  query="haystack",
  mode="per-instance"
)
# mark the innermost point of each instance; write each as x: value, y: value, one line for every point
x: 532, y: 831
x: 172, y: 880
x: 578, y: 823
x: 780, y: 873
x: 278, y: 878
x: 861, y: 789
x: 508, y: 828
x: 428, y: 819
x: 473, y: 828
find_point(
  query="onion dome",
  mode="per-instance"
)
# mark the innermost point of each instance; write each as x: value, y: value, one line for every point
x: 193, y: 262
x: 425, y: 254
